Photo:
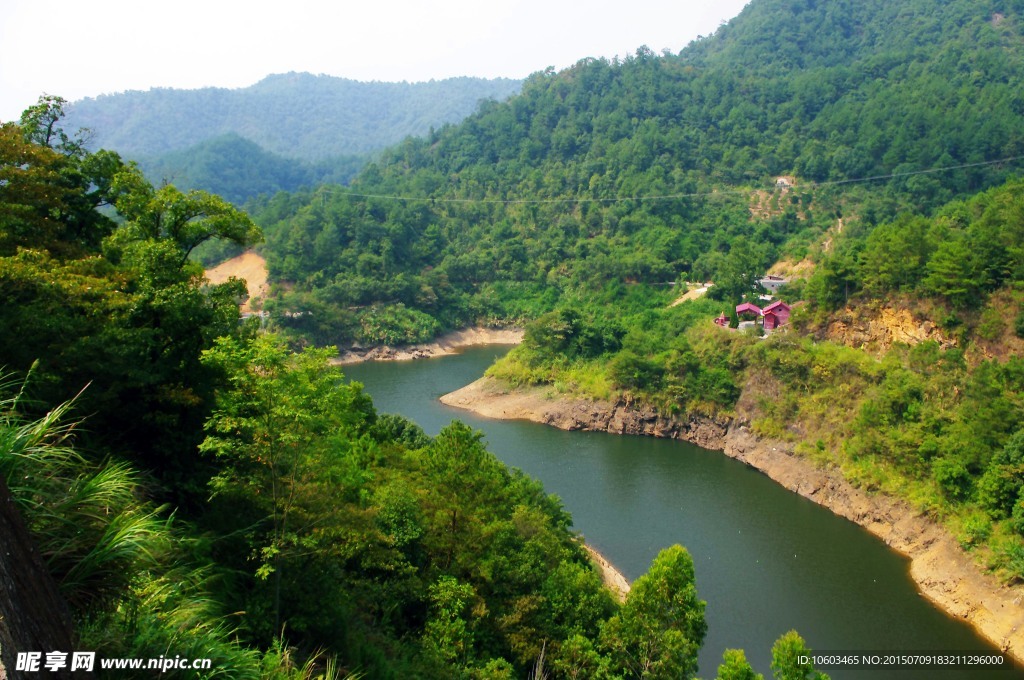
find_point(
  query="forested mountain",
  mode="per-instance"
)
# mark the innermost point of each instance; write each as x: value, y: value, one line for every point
x: 646, y: 170
x: 233, y: 501
x: 283, y: 133
x: 296, y: 115
x: 875, y: 143
x: 230, y: 498
x: 239, y: 169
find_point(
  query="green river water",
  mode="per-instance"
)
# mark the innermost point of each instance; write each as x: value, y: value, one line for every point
x: 767, y: 560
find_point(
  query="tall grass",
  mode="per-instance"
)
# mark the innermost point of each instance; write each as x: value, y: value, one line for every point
x: 119, y: 561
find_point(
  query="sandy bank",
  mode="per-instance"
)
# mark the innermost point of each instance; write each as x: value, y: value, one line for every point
x: 446, y: 344
x: 944, y: 573
x: 612, y: 577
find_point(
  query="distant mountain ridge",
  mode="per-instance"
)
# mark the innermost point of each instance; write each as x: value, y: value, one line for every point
x: 296, y: 115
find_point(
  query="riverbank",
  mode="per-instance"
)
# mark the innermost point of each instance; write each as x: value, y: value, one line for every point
x: 944, y: 573
x: 612, y: 577
x: 449, y: 343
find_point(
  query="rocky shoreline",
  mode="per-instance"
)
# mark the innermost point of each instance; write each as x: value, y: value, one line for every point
x: 944, y: 573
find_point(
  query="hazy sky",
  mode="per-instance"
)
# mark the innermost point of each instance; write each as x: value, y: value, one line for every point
x: 84, y: 48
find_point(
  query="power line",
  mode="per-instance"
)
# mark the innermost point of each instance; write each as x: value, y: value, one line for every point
x: 665, y: 197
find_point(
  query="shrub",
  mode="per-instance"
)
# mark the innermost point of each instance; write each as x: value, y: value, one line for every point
x: 629, y: 370
x: 953, y: 477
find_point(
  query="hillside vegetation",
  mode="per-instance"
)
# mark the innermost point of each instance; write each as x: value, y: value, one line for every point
x: 574, y: 206
x: 641, y: 171
x: 239, y: 169
x: 226, y: 498
x: 231, y: 495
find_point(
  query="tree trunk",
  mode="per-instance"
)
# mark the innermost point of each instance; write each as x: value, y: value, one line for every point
x: 33, y: 615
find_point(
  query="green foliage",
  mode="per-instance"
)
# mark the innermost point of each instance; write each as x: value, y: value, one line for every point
x: 788, y: 654
x: 734, y: 666
x: 396, y: 325
x: 964, y: 253
x: 999, y: 488
x: 285, y: 434
x: 641, y: 170
x: 117, y: 306
x: 737, y: 277
x: 1017, y: 520
x: 95, y: 532
x: 565, y: 333
x: 660, y: 628
x: 363, y: 533
x: 132, y: 592
x: 238, y: 169
x: 49, y: 196
x: 976, y: 529
x: 630, y: 371
x: 572, y: 206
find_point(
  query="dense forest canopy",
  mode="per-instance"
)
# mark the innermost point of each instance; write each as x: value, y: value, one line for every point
x: 648, y: 170
x: 873, y: 143
x: 232, y: 500
x: 235, y: 497
x: 239, y: 169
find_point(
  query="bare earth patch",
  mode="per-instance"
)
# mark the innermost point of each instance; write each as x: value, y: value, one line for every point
x: 248, y: 266
x: 691, y: 295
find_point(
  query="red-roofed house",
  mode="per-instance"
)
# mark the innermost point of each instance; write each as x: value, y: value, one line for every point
x: 748, y: 308
x: 776, y: 314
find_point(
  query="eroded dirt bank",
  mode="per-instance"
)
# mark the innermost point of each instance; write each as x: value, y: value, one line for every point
x: 943, y: 572
x: 612, y: 577
x: 249, y: 266
x: 446, y: 344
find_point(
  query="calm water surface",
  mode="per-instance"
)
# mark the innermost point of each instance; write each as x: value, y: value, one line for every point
x: 767, y: 560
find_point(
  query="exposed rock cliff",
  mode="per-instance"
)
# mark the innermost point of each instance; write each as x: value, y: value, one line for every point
x: 876, y: 330
x: 489, y: 397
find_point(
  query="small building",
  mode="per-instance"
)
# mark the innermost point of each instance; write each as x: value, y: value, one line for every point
x: 748, y: 308
x: 776, y: 314
x: 772, y: 283
x: 722, y: 320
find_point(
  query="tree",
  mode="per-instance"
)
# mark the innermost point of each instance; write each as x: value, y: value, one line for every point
x: 954, y: 272
x: 48, y: 200
x: 290, y: 438
x: 168, y: 215
x: 661, y: 626
x: 40, y: 123
x: 1000, y: 486
x: 791, y: 659
x: 448, y: 633
x: 735, y: 666
x: 738, y: 277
